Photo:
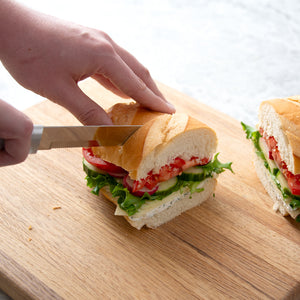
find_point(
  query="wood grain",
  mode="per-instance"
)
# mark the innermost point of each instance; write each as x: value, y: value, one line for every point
x: 232, y: 246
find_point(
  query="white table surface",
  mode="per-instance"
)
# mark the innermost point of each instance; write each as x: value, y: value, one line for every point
x: 229, y: 54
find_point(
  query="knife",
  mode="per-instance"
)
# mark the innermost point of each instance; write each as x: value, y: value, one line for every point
x: 48, y: 137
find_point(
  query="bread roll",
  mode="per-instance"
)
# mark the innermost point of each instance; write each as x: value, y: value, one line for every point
x: 281, y: 118
x: 156, y: 144
x: 154, y: 149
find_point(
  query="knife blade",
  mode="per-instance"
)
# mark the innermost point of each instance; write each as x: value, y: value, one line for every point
x: 48, y: 137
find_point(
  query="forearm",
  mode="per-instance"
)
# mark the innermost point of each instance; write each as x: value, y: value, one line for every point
x: 15, y: 23
x: 30, y: 44
x: 22, y: 31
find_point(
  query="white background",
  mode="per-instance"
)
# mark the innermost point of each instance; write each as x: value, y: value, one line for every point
x: 228, y: 54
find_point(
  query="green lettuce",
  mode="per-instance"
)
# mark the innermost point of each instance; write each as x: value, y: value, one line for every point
x: 131, y: 203
x: 215, y: 166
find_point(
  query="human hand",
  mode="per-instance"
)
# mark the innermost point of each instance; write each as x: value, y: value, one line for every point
x: 50, y: 56
x: 15, y: 129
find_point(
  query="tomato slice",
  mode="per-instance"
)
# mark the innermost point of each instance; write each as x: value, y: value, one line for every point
x: 128, y: 183
x: 293, y: 182
x: 100, y: 163
x: 274, y: 154
x: 166, y: 172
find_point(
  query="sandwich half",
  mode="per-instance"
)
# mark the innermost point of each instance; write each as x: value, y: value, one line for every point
x: 277, y: 145
x: 165, y: 168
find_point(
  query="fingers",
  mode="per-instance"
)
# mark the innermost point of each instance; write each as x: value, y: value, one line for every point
x: 109, y: 85
x: 126, y: 80
x: 70, y: 96
x: 138, y: 69
x: 15, y: 129
x: 16, y: 151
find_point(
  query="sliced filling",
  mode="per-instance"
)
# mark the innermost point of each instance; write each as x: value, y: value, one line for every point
x: 132, y: 194
x: 267, y: 149
x: 274, y: 154
x: 168, y: 171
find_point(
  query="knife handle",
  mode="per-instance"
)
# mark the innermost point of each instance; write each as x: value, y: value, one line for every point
x: 35, y: 139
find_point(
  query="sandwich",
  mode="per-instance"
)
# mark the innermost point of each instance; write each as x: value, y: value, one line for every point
x: 165, y: 168
x: 277, y: 145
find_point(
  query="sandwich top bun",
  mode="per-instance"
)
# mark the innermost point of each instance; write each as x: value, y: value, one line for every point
x: 156, y: 144
x: 280, y: 118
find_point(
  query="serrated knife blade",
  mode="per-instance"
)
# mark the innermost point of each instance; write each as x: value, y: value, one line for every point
x: 48, y: 137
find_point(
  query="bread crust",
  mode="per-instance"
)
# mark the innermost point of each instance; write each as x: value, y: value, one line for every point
x: 159, y: 133
x: 131, y: 114
x: 288, y: 110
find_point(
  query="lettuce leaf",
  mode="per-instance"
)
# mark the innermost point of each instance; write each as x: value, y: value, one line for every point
x: 215, y: 166
x: 131, y: 203
x: 100, y: 181
x: 295, y: 202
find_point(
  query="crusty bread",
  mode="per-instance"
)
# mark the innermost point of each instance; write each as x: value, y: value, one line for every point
x: 281, y: 118
x: 156, y: 144
x: 131, y: 113
x: 169, y: 207
x: 160, y: 140
x: 270, y: 186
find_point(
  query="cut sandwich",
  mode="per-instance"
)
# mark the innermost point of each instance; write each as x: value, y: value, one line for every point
x: 165, y: 168
x: 277, y: 146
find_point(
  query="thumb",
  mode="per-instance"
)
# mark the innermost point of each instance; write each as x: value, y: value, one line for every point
x: 15, y: 130
x: 81, y: 106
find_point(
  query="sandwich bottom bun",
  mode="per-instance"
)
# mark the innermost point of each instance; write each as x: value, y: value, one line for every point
x: 270, y: 186
x: 158, y: 212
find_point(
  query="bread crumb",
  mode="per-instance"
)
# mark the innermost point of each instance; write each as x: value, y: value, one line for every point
x: 30, y: 239
x: 56, y: 207
x: 30, y: 227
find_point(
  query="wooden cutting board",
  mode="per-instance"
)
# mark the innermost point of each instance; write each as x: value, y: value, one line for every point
x: 232, y: 246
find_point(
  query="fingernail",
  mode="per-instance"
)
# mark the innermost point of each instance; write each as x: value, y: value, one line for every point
x: 171, y: 107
